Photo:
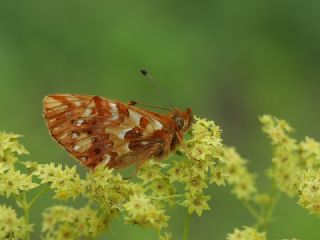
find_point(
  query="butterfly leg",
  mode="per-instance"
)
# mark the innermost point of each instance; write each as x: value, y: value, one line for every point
x: 154, y: 151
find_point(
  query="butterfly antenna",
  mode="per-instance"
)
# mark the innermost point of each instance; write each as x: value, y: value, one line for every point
x: 147, y: 75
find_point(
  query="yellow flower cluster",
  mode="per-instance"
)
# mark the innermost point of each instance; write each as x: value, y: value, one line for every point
x: 12, y: 181
x: 117, y: 195
x: 310, y: 153
x: 205, y: 142
x: 143, y: 200
x: 156, y: 183
x: 308, y: 188
x: 9, y: 147
x: 62, y: 222
x: 296, y: 165
x: 237, y: 174
x: 141, y: 210
x: 285, y: 162
x: 11, y: 226
x: 166, y: 236
x: 247, y: 233
x: 107, y: 189
x: 151, y: 170
x: 203, y: 153
x: 65, y: 182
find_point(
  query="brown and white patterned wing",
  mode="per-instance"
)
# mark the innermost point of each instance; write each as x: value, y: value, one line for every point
x: 95, y: 129
x: 145, y: 135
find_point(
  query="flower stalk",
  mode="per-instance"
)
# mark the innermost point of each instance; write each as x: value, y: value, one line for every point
x: 187, y: 224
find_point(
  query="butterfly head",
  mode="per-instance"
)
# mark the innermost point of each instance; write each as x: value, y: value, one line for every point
x: 182, y: 119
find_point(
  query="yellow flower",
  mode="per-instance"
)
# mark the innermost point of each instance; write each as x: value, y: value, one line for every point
x: 9, y: 148
x: 140, y: 210
x: 137, y: 205
x: 277, y: 129
x: 65, y: 182
x: 286, y: 161
x: 203, y: 151
x: 9, y: 143
x: 196, y: 202
x: 310, y: 152
x: 244, y: 188
x: 247, y: 233
x: 62, y: 222
x: 162, y: 187
x: 178, y: 171
x: 219, y: 175
x: 195, y: 184
x: 32, y: 166
x: 237, y: 174
x: 151, y: 170
x: 308, y: 189
x: 11, y: 225
x: 205, y: 142
x: 12, y: 182
x: 165, y: 236
x: 108, y: 189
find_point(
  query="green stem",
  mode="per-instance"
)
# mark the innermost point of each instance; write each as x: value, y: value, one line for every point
x: 267, y: 216
x: 187, y: 224
x: 39, y: 194
x: 252, y: 211
x: 25, y: 205
x: 169, y: 196
x: 26, y: 209
x: 273, y: 205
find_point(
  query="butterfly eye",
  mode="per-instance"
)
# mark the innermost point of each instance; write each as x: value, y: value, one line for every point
x: 179, y: 121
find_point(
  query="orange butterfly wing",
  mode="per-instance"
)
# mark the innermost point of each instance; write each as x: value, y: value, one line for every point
x: 95, y: 129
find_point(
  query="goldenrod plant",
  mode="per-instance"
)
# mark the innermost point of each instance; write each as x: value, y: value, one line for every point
x: 147, y: 199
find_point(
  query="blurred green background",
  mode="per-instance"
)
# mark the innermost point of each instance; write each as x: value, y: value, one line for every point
x: 230, y: 61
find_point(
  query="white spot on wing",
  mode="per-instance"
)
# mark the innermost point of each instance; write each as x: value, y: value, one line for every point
x: 69, y: 97
x: 56, y: 128
x: 106, y: 159
x: 123, y: 132
x: 77, y: 103
x: 74, y: 135
x: 135, y: 117
x: 76, y: 147
x: 125, y: 148
x: 83, y: 145
x: 87, y: 112
x: 79, y: 122
x: 148, y: 130
x: 52, y: 103
x: 156, y: 124
x: 63, y: 136
x: 114, y: 111
x: 92, y: 104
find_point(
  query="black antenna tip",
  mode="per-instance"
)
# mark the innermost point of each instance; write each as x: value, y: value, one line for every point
x: 144, y: 72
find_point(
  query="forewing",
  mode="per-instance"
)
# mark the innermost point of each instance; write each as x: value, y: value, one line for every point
x: 95, y: 129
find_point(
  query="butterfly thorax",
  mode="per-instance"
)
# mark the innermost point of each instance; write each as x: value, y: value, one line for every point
x: 182, y: 122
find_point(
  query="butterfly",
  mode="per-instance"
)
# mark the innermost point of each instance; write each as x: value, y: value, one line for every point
x: 97, y: 130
